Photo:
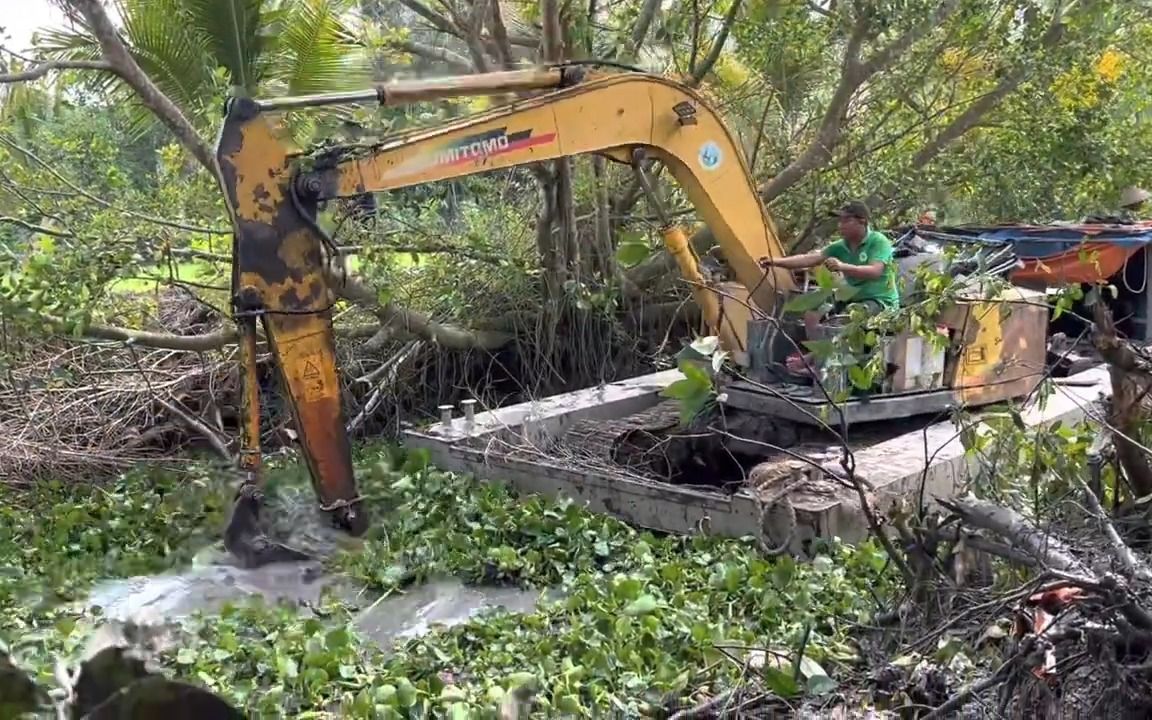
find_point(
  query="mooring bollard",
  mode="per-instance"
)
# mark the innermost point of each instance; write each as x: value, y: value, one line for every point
x: 446, y: 416
x: 469, y: 412
x: 797, y: 470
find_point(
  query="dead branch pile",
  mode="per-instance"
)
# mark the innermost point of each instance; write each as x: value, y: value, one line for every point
x: 73, y: 411
x: 1076, y: 639
x: 80, y: 409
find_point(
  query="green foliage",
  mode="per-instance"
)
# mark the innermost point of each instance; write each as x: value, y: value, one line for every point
x: 631, y: 250
x: 197, y: 50
x: 57, y: 539
x: 700, y: 363
x: 85, y: 203
x: 1030, y: 468
x: 828, y: 289
x: 810, y: 301
x: 1060, y: 142
x: 637, y: 617
x: 774, y: 82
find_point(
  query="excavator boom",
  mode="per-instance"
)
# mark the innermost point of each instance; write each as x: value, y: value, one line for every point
x: 611, y: 115
x: 280, y: 279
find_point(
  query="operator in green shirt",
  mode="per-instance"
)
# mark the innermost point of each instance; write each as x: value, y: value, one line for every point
x: 863, y: 256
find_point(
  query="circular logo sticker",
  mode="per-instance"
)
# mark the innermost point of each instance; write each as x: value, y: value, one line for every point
x: 710, y: 156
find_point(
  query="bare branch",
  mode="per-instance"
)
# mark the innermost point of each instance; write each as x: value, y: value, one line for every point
x: 1008, y: 524
x: 640, y: 31
x: 166, y: 341
x: 473, y: 28
x: 854, y: 73
x: 8, y: 220
x: 1124, y: 555
x: 117, y: 56
x: 434, y: 18
x: 816, y: 8
x: 971, y: 690
x: 414, y: 323
x: 195, y: 424
x: 457, y: 62
x: 701, y: 71
x: 39, y: 71
x: 198, y: 254
x: 500, y: 39
x: 446, y: 25
x: 553, y: 39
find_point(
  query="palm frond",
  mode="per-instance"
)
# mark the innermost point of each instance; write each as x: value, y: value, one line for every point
x: 317, y: 51
x: 187, y: 46
x: 59, y: 44
x: 170, y: 51
x: 159, y: 38
x: 231, y: 33
x: 79, y: 44
x: 23, y: 104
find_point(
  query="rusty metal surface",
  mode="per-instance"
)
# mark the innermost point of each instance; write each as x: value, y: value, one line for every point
x: 278, y: 276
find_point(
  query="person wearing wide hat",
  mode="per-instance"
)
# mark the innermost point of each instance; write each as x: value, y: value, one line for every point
x: 1132, y: 202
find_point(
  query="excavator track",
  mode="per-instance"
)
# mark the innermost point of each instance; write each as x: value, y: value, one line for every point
x: 652, y: 444
x: 752, y: 451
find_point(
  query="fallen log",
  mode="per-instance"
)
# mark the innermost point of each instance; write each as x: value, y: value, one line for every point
x: 1047, y: 550
x: 1081, y: 644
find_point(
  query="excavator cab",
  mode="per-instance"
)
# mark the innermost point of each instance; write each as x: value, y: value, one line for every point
x: 284, y: 277
x: 990, y: 346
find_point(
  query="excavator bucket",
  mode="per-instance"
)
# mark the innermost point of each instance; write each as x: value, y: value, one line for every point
x: 244, y: 537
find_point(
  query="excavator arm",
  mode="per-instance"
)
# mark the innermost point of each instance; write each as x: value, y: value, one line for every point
x: 279, y: 252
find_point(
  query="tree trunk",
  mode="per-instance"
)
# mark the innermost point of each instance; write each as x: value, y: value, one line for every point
x: 1131, y: 406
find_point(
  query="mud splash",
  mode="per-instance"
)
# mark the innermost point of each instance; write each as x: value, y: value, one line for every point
x: 443, y: 602
x: 164, y: 599
x: 210, y: 583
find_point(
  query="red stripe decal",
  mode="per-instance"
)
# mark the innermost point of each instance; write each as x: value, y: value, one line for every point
x: 510, y: 147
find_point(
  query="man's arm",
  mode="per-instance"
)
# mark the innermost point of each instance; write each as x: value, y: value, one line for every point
x: 871, y: 271
x: 795, y: 262
x: 879, y: 251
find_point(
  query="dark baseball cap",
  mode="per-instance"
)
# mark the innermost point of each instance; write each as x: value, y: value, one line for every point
x: 853, y: 209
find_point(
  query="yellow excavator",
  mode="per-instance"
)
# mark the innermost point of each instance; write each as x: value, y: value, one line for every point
x: 281, y: 275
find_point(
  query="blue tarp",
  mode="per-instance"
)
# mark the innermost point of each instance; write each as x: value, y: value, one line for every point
x: 1040, y: 241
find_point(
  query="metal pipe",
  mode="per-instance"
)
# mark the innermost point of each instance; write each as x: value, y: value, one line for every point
x: 446, y: 415
x: 469, y: 412
x: 650, y: 191
x: 403, y: 92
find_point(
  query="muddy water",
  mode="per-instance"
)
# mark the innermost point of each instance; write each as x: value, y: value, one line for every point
x: 209, y: 582
x: 160, y: 599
